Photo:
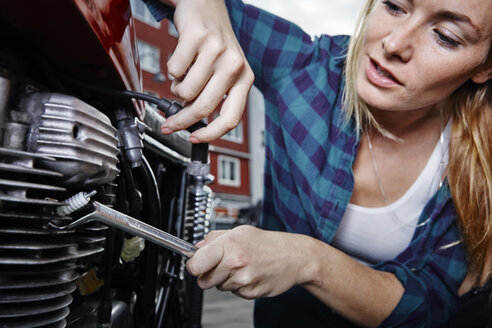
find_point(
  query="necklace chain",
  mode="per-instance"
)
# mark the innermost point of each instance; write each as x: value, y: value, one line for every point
x: 380, y: 182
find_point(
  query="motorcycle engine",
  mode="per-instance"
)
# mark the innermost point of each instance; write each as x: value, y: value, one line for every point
x: 52, y: 146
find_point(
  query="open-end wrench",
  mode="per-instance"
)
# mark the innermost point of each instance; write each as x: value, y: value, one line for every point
x: 113, y: 218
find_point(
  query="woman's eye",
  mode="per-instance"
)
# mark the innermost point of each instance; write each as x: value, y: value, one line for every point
x: 393, y: 8
x: 445, y: 40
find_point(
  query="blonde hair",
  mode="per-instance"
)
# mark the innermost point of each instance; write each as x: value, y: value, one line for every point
x: 354, y: 106
x: 469, y: 171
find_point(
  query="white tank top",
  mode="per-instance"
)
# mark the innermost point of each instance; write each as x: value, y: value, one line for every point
x: 371, y: 235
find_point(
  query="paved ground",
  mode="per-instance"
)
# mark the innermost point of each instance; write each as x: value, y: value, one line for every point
x: 226, y: 310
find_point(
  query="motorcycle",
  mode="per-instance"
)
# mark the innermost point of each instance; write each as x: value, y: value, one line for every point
x: 77, y: 135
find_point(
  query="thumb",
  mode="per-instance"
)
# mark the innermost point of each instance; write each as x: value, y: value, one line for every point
x: 205, y: 259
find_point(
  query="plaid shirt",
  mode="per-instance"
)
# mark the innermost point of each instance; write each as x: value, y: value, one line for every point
x: 310, y: 154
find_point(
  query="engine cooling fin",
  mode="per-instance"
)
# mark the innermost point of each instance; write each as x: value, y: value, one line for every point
x: 38, y: 268
x: 65, y: 144
x: 19, y: 178
x: 77, y: 135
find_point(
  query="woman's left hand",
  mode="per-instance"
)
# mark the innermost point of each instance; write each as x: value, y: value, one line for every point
x: 251, y: 262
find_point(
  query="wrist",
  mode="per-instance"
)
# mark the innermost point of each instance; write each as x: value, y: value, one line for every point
x: 310, y: 265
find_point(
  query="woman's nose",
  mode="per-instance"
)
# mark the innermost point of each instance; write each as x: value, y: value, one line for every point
x: 399, y: 43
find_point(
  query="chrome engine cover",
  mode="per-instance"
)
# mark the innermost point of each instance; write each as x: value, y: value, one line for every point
x: 77, y: 135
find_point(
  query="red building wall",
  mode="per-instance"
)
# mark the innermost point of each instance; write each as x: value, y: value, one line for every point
x: 244, y: 187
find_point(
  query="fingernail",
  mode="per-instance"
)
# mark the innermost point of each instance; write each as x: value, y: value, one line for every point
x: 165, y: 130
x: 194, y: 140
x: 200, y: 243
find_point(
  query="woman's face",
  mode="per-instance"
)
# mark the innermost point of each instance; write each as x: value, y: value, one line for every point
x: 418, y: 52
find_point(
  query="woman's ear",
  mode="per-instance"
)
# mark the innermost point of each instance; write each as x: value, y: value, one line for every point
x: 482, y: 76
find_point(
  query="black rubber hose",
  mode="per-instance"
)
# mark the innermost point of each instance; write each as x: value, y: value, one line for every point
x: 168, y: 107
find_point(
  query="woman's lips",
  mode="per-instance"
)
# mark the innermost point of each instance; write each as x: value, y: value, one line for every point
x: 379, y: 76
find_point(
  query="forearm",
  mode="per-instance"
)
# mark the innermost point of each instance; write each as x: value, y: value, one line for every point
x: 359, y: 293
x: 257, y: 263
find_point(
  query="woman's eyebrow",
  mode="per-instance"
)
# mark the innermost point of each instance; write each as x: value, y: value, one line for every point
x: 459, y: 18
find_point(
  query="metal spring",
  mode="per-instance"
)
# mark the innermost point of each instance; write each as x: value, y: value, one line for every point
x: 197, y: 217
x: 198, y: 213
x: 75, y: 203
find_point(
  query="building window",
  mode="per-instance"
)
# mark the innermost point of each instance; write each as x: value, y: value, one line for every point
x: 150, y: 57
x: 229, y: 169
x: 140, y: 11
x: 235, y: 135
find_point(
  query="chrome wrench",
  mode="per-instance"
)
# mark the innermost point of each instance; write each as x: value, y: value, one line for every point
x: 113, y: 218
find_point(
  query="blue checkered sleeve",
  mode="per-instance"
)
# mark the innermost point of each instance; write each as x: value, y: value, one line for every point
x: 431, y: 269
x: 273, y: 46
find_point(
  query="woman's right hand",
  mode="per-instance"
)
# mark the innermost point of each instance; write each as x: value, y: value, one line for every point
x: 208, y: 64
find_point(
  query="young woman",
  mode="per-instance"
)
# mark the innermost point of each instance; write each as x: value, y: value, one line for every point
x: 378, y: 158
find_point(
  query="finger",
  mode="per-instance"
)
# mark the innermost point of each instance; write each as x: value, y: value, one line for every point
x: 246, y: 293
x: 184, y: 54
x: 230, y: 115
x: 198, y: 75
x: 229, y: 284
x: 205, y: 259
x: 239, y: 279
x: 214, y: 278
x: 211, y: 236
x: 202, y: 107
